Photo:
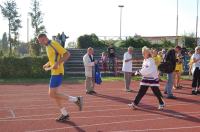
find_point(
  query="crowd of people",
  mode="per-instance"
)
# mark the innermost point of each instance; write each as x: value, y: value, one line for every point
x: 181, y: 59
x: 152, y: 58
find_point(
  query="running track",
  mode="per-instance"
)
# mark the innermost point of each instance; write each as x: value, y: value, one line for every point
x: 27, y: 108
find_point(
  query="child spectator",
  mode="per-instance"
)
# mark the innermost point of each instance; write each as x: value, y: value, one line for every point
x: 104, y: 60
x: 178, y: 71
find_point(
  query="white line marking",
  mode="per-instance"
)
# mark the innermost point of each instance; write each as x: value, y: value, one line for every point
x: 161, y: 129
x: 99, y: 124
x: 79, y: 117
x: 12, y: 113
x: 124, y: 108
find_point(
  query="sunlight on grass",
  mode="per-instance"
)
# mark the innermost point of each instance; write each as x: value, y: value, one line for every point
x: 74, y: 80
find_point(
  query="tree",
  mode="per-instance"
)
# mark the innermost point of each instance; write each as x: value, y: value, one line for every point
x: 9, y: 11
x: 36, y: 22
x: 190, y: 41
x: 136, y: 42
x: 4, y: 42
x: 92, y: 40
x: 167, y: 44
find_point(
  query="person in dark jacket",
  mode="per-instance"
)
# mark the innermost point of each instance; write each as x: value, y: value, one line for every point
x: 112, y: 58
x: 171, y: 58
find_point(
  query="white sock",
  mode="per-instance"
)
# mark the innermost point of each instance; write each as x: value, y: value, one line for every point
x: 63, y: 111
x: 73, y: 99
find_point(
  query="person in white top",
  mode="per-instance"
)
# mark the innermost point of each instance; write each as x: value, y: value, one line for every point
x: 150, y: 78
x: 127, y: 68
x: 196, y: 71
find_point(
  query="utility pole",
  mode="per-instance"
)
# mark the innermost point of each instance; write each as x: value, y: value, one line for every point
x: 27, y: 30
x: 197, y: 22
x: 120, y: 30
x: 176, y: 41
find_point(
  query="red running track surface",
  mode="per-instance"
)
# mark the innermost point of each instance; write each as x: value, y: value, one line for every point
x: 28, y: 108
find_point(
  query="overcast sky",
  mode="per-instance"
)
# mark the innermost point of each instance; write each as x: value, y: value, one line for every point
x: 102, y: 17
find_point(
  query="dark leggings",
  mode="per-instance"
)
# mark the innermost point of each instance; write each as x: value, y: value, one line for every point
x: 196, y: 78
x: 143, y: 90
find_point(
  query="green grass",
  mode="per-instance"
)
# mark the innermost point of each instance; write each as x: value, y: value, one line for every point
x: 71, y: 80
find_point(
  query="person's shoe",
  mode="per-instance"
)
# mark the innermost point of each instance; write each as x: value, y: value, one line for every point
x: 161, y: 106
x: 62, y: 118
x: 194, y: 92
x: 133, y: 106
x: 198, y: 91
x: 171, y: 97
x: 174, y: 87
x: 129, y: 90
x: 88, y: 92
x: 79, y: 102
x: 93, y: 92
x: 180, y: 87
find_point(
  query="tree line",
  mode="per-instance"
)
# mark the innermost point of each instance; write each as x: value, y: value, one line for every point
x: 10, y: 42
x: 92, y: 40
x: 9, y: 11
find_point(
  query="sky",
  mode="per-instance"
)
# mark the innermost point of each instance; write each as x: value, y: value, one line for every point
x: 102, y: 17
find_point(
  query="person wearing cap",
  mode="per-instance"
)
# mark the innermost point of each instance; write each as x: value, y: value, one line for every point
x: 171, y: 57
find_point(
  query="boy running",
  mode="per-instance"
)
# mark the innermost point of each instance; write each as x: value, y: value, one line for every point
x: 57, y: 55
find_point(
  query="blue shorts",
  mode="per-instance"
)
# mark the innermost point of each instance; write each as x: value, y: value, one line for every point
x: 55, y: 81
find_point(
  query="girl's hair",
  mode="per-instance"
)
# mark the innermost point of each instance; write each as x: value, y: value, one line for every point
x: 145, y: 48
x: 197, y: 48
x: 191, y: 52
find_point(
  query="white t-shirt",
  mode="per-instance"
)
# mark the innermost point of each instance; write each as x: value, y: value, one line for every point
x: 197, y: 64
x: 127, y: 66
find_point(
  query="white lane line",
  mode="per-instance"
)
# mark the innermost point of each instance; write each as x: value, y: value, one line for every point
x: 99, y: 124
x: 160, y: 129
x: 12, y: 113
x: 95, y: 117
x: 103, y: 110
x: 31, y: 116
x: 107, y: 104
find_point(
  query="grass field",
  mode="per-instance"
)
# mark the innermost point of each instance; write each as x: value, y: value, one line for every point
x: 69, y: 79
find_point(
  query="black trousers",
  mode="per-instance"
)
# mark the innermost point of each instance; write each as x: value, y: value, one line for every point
x: 142, y: 91
x: 196, y: 78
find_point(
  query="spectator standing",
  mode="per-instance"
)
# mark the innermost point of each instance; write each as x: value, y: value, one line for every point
x: 178, y: 71
x: 112, y: 58
x: 127, y: 68
x: 190, y: 53
x: 196, y: 71
x: 104, y: 60
x: 89, y: 64
x: 63, y: 38
x: 171, y: 58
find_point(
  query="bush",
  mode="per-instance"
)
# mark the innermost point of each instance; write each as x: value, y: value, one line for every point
x: 92, y: 40
x: 135, y: 42
x: 27, y: 67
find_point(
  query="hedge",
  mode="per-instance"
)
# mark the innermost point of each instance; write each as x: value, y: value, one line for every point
x: 27, y: 67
